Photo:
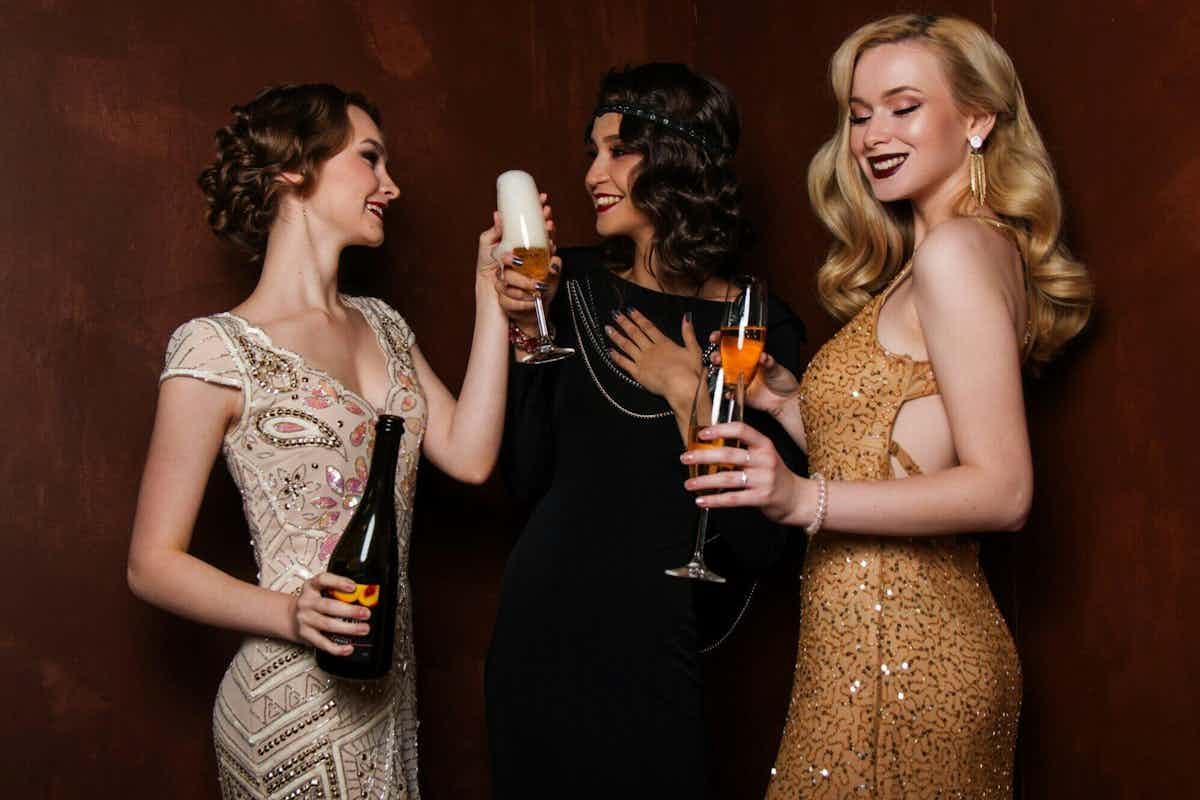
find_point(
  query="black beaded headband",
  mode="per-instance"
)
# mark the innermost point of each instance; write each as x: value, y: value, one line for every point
x: 659, y: 118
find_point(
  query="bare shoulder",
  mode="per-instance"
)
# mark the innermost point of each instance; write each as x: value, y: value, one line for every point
x: 963, y: 254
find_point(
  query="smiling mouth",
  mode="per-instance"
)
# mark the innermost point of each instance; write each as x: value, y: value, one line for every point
x: 375, y: 209
x: 886, y: 166
x: 605, y: 202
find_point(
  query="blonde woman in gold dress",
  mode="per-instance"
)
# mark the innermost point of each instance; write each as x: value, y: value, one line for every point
x: 947, y: 262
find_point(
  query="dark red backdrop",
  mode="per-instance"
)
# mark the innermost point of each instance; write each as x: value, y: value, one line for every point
x: 108, y: 113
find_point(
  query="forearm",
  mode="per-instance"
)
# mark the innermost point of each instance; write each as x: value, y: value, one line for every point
x: 956, y: 500
x: 789, y: 418
x: 476, y: 424
x: 188, y: 587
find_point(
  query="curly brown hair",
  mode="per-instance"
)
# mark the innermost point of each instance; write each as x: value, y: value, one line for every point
x: 688, y: 191
x: 286, y: 128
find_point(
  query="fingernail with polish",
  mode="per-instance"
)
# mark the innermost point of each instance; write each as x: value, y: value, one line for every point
x: 615, y: 314
x: 542, y: 286
x: 688, y: 317
x: 517, y: 261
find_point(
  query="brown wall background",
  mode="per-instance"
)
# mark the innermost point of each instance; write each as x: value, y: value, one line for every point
x: 107, y: 117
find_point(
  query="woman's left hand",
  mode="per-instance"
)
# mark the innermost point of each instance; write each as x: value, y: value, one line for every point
x: 756, y: 476
x: 653, y: 360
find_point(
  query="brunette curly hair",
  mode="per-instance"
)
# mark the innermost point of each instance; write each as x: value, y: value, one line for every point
x: 286, y: 128
x: 685, y: 184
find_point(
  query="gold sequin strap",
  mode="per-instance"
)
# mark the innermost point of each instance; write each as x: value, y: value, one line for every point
x: 920, y: 381
x: 906, y: 461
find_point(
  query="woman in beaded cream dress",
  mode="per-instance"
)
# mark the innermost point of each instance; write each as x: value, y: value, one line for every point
x: 287, y: 386
x: 947, y: 262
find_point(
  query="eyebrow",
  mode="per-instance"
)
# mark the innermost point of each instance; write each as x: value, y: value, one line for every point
x: 888, y: 93
x: 612, y: 137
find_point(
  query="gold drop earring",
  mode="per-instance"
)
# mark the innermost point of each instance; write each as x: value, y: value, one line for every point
x: 978, y: 171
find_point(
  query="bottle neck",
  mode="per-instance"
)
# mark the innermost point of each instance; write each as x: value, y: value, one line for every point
x: 389, y: 430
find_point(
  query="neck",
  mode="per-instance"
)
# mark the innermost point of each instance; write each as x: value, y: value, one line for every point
x: 938, y: 204
x: 660, y: 279
x: 300, y: 268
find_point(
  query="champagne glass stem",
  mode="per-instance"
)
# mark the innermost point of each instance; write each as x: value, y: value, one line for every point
x: 543, y: 328
x: 701, y: 532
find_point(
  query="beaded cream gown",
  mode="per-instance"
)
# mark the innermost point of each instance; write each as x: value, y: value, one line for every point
x: 299, y: 456
x: 907, y: 682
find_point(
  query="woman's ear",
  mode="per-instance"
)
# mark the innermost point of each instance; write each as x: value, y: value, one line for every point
x: 981, y: 125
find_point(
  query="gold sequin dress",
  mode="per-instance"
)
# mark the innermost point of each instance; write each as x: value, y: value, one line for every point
x: 907, y: 682
x: 299, y: 456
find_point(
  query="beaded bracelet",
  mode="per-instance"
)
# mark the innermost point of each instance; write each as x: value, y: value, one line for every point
x: 522, y: 341
x: 822, y: 505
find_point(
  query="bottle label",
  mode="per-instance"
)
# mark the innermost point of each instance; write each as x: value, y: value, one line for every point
x: 366, y: 595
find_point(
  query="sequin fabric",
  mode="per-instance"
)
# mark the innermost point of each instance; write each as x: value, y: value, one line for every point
x: 299, y: 454
x: 907, y: 682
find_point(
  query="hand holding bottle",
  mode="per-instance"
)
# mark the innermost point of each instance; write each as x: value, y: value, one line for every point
x: 315, y: 615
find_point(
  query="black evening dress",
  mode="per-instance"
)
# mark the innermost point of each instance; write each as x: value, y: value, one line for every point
x: 593, y: 684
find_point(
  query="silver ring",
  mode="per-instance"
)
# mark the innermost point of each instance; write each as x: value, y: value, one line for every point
x: 745, y: 479
x: 747, y: 461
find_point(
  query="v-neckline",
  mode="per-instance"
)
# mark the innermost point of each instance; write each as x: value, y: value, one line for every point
x: 333, y: 379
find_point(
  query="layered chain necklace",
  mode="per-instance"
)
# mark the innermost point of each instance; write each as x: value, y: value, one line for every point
x: 590, y: 335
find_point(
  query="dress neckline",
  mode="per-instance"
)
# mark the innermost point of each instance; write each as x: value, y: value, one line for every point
x: 658, y: 293
x: 348, y: 303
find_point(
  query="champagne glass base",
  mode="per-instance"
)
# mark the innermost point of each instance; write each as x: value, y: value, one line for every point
x: 696, y: 571
x: 546, y: 355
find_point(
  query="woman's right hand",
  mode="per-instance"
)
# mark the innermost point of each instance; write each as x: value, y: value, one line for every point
x: 315, y: 615
x: 774, y: 385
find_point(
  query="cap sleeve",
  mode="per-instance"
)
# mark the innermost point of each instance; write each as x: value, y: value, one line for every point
x: 199, y: 349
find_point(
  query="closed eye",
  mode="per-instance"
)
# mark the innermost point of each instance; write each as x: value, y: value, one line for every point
x: 900, y: 112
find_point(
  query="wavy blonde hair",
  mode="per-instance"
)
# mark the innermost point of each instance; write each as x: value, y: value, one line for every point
x: 872, y: 241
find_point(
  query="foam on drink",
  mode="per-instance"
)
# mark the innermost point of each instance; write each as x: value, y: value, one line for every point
x: 524, y: 230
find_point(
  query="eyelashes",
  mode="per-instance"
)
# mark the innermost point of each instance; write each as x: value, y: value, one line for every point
x: 900, y: 112
x: 371, y: 156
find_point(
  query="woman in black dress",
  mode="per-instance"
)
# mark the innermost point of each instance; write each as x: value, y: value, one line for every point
x: 593, y: 678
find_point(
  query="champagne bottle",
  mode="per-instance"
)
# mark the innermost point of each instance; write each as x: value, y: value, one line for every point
x: 367, y: 554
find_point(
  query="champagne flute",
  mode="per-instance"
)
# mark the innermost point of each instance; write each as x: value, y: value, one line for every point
x: 524, y: 233
x: 715, y: 402
x: 744, y: 329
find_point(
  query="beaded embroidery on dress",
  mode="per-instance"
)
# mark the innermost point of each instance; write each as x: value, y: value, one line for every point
x: 299, y: 455
x: 907, y: 681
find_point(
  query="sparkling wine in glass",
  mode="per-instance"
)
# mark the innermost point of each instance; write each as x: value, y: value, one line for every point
x: 715, y: 402
x: 524, y: 233
x: 744, y: 329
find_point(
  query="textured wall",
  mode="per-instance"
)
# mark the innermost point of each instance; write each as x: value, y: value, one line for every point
x: 108, y: 117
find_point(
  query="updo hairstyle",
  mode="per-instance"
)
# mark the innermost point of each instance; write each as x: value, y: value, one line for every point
x: 286, y: 128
